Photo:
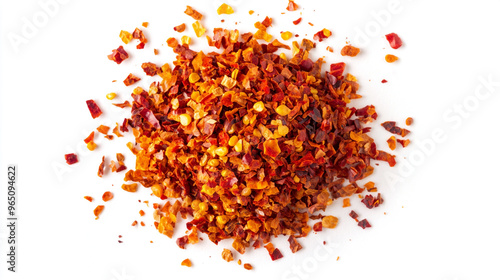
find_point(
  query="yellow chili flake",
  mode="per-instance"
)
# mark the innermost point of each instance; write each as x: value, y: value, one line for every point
x: 227, y: 255
x: 186, y: 262
x: 391, y: 58
x: 260, y: 34
x: 283, y: 110
x: 125, y: 36
x: 329, y: 221
x: 286, y: 35
x: 213, y: 162
x: 199, y: 29
x: 225, y: 9
x: 91, y: 145
x: 251, y: 12
x: 186, y: 40
x: 351, y: 78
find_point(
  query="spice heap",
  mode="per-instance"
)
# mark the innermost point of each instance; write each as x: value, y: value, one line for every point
x: 245, y: 143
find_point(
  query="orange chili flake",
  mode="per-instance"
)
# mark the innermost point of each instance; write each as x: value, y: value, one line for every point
x: 186, y: 262
x: 141, y: 213
x: 131, y: 79
x: 103, y: 129
x: 392, y: 143
x: 107, y: 196
x: 172, y: 42
x: 98, y: 211
x: 409, y: 121
x: 330, y: 49
x: 248, y: 266
x: 404, y: 142
x: 134, y: 223
x: 156, y: 51
x: 391, y: 58
x: 193, y: 13
x: 180, y: 28
x: 100, y: 172
x: 370, y: 187
x: 89, y: 198
x: 227, y: 255
x: 349, y: 51
x: 346, y: 202
x: 130, y: 187
x: 143, y: 224
x: 145, y: 24
x: 125, y: 36
x: 297, y: 21
x: 251, y: 12
x: 89, y: 138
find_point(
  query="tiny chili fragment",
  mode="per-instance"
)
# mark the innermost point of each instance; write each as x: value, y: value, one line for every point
x: 71, y: 158
x: 409, y: 121
x: 193, y: 13
x: 150, y: 68
x: 227, y: 255
x: 131, y: 79
x: 89, y: 138
x: 89, y: 198
x: 100, y: 171
x: 107, y: 196
x: 225, y: 9
x: 180, y: 28
x: 294, y: 244
x: 323, y: 34
x: 392, y: 143
x: 391, y: 58
x: 404, y: 142
x: 394, y: 40
x: 371, y: 202
x: 297, y: 21
x: 186, y: 262
x: 118, y: 55
x: 364, y: 224
x: 349, y: 51
x: 354, y: 215
x: 248, y: 266
x: 392, y: 128
x: 95, y: 111
x: 98, y: 211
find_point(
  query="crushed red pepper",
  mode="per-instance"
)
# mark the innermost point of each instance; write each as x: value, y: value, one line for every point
x: 118, y: 55
x: 403, y: 142
x: 71, y: 158
x: 364, y: 224
x: 89, y: 198
x: 292, y: 6
x: 107, y: 196
x: 100, y: 171
x: 392, y: 128
x: 409, y: 121
x: 371, y: 202
x: 193, y: 13
x: 349, y: 51
x: 180, y: 28
x: 89, y: 138
x: 131, y: 79
x: 95, y: 111
x: 394, y: 40
x: 297, y: 21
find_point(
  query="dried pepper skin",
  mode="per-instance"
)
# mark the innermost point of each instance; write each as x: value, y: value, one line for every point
x: 71, y: 158
x: 95, y: 111
x: 394, y: 40
x: 349, y: 51
x: 131, y: 79
x: 371, y: 202
x: 392, y: 128
x: 118, y: 55
x: 364, y: 224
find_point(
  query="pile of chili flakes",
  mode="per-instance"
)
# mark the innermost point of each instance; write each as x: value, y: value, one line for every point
x: 245, y: 143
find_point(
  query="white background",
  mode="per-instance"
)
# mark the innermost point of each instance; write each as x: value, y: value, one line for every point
x: 441, y: 205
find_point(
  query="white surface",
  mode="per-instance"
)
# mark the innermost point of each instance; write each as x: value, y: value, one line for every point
x: 447, y: 230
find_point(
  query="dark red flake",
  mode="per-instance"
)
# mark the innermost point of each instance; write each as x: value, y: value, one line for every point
x: 392, y: 128
x: 364, y: 224
x: 371, y: 202
x: 336, y: 69
x: 118, y: 55
x: 95, y: 111
x: 276, y: 254
x: 353, y: 215
x: 384, y: 81
x: 150, y: 68
x: 394, y: 40
x: 71, y: 158
x: 182, y: 241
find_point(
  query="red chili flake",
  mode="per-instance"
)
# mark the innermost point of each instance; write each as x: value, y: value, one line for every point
x: 381, y: 155
x: 409, y: 121
x: 95, y: 111
x: 123, y: 105
x: 107, y: 196
x: 392, y: 143
x: 267, y: 22
x: 89, y: 138
x: 141, y: 213
x: 297, y: 21
x: 100, y: 172
x: 103, y: 129
x: 131, y: 79
x: 318, y: 226
x: 354, y: 215
x: 364, y: 224
x: 118, y: 55
x: 143, y: 224
x: 404, y: 142
x: 89, y: 198
x: 323, y: 34
x: 392, y: 128
x: 349, y: 51
x: 138, y: 34
x: 371, y: 202
x: 273, y: 252
x: 134, y: 223
x: 394, y: 40
x: 384, y: 81
x: 180, y: 28
x: 71, y: 158
x: 150, y: 68
x: 294, y: 244
x: 337, y: 69
x: 182, y: 241
x: 292, y: 6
